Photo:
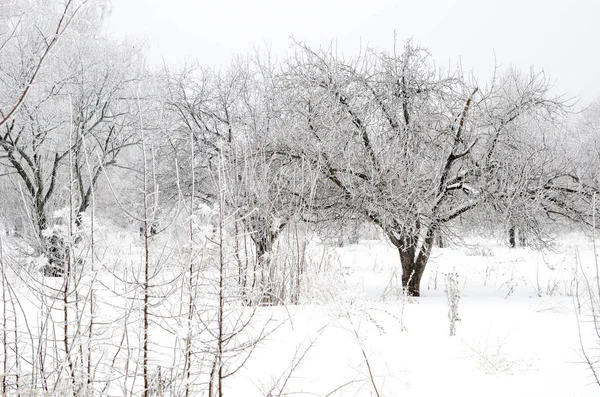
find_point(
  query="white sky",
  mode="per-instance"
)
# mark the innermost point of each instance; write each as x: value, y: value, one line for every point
x: 560, y: 37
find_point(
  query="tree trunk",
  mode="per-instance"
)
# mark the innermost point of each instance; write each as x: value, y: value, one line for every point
x: 512, y: 237
x: 53, y: 246
x: 57, y: 253
x: 264, y: 248
x: 413, y: 261
x: 412, y: 272
x: 516, y: 237
x: 264, y: 239
x: 41, y: 221
x: 522, y: 238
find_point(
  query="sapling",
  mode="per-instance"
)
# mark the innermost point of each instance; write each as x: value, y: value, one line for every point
x: 453, y: 295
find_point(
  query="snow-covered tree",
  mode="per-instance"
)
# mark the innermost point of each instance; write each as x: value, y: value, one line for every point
x: 405, y: 145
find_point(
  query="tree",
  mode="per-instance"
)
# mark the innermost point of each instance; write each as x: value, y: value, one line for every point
x: 72, y: 122
x: 234, y: 121
x: 534, y: 177
x: 21, y: 27
x: 406, y: 146
x: 102, y: 92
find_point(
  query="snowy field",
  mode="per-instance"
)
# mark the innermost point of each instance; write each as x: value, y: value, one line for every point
x: 355, y: 334
x: 518, y: 333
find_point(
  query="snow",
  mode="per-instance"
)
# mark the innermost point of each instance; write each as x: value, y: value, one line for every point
x: 518, y: 334
x: 511, y: 341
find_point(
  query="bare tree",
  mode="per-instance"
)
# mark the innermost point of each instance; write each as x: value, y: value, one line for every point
x: 408, y: 147
x: 102, y: 93
x: 44, y: 36
x: 235, y: 120
x: 79, y: 110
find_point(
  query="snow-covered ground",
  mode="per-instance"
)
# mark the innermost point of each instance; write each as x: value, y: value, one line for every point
x: 357, y: 335
x: 518, y: 334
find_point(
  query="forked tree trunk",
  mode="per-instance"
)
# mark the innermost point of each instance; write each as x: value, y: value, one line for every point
x: 412, y: 272
x: 264, y: 238
x: 413, y: 259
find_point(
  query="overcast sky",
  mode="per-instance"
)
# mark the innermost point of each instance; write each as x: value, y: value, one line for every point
x: 560, y: 37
